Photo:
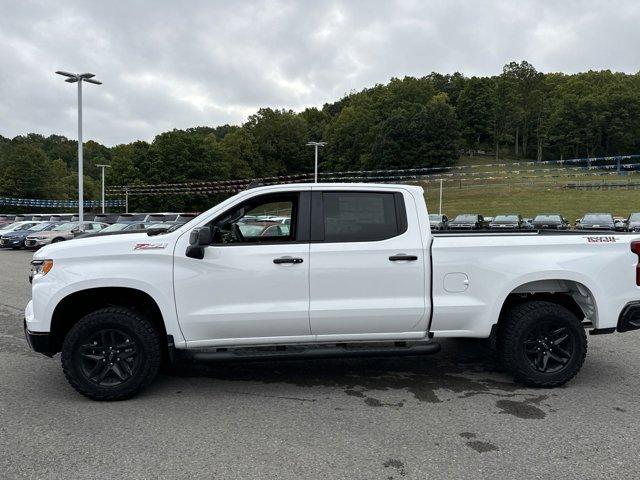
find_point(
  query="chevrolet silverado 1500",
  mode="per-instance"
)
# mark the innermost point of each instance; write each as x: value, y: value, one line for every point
x: 356, y: 271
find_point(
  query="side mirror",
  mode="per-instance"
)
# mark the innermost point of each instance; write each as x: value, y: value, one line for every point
x: 199, y: 238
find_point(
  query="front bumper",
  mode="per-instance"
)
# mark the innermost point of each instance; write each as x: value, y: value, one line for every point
x: 629, y: 318
x: 40, y: 342
x: 33, y: 243
x: 462, y: 227
x: 10, y: 243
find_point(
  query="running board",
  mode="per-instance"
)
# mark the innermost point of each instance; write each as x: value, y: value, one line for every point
x: 311, y: 352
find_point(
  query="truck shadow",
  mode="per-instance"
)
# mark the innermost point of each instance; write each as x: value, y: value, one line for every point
x: 463, y: 367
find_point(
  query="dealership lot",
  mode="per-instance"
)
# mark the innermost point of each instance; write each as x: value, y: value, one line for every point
x: 452, y: 414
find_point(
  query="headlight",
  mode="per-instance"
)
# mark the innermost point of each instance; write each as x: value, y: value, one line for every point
x: 40, y: 267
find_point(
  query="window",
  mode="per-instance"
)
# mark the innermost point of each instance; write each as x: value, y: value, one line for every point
x: 361, y: 216
x: 264, y: 219
x: 505, y: 218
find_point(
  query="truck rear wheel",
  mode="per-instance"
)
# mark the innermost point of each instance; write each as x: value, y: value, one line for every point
x: 111, y: 354
x: 542, y: 344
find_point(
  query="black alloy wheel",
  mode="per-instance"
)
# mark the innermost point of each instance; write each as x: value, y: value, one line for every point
x: 112, y: 353
x: 109, y: 358
x: 543, y: 344
x: 549, y: 347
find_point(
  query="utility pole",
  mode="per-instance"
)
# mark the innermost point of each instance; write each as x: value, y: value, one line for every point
x: 440, y: 197
x: 79, y: 78
x: 126, y: 200
x: 103, y: 167
x: 316, y: 145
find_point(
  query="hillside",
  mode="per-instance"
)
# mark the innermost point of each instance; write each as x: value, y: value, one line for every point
x: 531, y: 193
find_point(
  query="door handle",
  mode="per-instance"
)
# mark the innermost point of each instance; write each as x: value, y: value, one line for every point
x: 401, y: 256
x: 287, y: 260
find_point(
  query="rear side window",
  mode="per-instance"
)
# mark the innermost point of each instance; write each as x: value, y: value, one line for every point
x: 362, y: 216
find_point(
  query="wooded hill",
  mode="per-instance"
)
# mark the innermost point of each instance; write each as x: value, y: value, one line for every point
x: 409, y: 122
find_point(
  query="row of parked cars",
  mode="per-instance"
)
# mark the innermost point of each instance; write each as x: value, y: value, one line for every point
x: 35, y: 231
x: 545, y: 221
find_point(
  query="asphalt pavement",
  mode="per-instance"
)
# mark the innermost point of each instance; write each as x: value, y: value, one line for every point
x: 450, y: 415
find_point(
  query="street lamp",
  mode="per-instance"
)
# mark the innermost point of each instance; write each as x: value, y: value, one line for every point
x: 79, y: 78
x: 103, y: 167
x: 316, y: 145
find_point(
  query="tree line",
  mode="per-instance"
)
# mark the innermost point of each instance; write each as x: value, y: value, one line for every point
x: 406, y: 123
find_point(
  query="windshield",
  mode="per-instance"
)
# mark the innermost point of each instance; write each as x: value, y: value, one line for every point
x: 251, y: 230
x: 597, y: 218
x: 147, y: 226
x: 634, y: 217
x: 116, y: 227
x: 506, y: 218
x: 11, y: 226
x: 466, y: 218
x: 42, y: 226
x: 547, y: 218
x: 435, y: 217
x: 24, y: 226
x: 65, y: 227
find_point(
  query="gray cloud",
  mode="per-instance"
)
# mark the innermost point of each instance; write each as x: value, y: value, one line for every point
x: 168, y: 64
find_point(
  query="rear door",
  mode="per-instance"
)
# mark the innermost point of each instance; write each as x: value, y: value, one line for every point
x: 367, y: 265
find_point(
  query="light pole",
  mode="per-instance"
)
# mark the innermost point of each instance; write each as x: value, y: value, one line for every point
x: 79, y: 78
x: 103, y: 167
x: 316, y: 145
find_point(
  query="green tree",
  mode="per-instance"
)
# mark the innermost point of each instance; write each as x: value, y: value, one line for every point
x: 525, y: 83
x: 239, y: 152
x: 475, y: 105
x: 280, y: 137
x: 25, y: 173
x: 349, y: 138
x: 422, y: 136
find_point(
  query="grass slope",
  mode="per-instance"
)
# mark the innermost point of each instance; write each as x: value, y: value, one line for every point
x: 527, y: 195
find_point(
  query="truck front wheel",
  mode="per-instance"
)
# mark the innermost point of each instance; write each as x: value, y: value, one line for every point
x: 111, y: 354
x: 542, y: 344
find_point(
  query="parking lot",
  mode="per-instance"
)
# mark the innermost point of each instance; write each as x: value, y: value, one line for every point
x: 453, y: 414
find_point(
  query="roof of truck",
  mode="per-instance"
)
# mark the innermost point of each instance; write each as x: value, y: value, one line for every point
x: 360, y: 186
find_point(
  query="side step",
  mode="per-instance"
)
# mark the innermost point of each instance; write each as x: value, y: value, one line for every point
x: 295, y: 352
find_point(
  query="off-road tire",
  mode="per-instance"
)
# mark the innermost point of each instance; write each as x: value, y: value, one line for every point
x: 137, y: 328
x: 514, y: 340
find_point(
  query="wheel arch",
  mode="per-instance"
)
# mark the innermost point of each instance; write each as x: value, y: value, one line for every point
x: 569, y: 293
x: 76, y: 305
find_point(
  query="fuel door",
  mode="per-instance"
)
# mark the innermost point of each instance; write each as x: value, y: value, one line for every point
x: 456, y: 282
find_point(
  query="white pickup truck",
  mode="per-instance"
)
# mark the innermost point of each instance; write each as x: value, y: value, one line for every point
x: 320, y: 270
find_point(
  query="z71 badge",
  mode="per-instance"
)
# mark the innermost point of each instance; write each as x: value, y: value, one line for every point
x: 608, y: 239
x: 149, y: 246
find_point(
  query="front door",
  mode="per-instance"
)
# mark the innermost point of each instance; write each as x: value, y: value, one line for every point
x: 367, y: 266
x: 252, y: 286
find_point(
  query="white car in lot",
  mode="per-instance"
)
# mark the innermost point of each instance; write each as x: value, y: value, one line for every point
x: 358, y: 272
x: 17, y: 226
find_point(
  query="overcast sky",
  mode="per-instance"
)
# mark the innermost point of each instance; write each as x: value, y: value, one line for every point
x: 176, y: 64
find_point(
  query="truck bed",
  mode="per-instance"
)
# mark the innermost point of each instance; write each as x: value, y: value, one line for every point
x: 514, y: 232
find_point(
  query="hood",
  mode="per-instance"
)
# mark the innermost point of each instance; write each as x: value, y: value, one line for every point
x: 108, y: 245
x: 550, y: 222
x: 17, y: 234
x: 596, y: 223
x: 50, y: 234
